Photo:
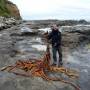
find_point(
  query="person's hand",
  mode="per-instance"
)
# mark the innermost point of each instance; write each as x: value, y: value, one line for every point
x: 45, y: 35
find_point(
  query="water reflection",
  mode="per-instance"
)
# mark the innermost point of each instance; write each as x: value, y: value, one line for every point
x: 39, y: 47
x: 79, y: 59
x: 28, y: 42
x: 32, y: 47
x: 71, y: 59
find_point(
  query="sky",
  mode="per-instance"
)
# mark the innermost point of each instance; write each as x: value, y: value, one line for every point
x: 53, y: 9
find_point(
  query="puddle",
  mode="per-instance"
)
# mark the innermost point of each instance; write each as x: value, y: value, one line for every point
x: 31, y: 47
x: 30, y: 41
x: 79, y: 60
x: 26, y: 29
x: 39, y: 47
x: 71, y: 59
x: 0, y: 35
x: 26, y: 49
x: 37, y: 39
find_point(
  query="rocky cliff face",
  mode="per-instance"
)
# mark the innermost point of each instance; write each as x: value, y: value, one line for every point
x: 9, y: 9
x: 12, y: 8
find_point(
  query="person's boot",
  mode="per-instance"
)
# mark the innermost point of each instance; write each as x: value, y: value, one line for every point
x: 60, y: 64
x: 54, y: 63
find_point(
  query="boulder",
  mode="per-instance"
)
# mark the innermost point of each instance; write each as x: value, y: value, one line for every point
x: 28, y: 31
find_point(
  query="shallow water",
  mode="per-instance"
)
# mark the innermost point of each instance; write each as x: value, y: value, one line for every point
x: 79, y: 59
x: 31, y: 47
x: 39, y: 47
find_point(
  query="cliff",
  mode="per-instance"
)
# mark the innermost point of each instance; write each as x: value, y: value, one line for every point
x: 8, y: 9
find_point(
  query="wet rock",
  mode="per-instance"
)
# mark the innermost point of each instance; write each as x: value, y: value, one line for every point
x: 13, y: 82
x: 71, y: 40
x: 15, y: 46
x: 8, y: 85
x: 27, y: 31
x: 76, y: 28
x: 73, y: 36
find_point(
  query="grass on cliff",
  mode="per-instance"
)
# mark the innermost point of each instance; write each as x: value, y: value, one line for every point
x: 3, y: 10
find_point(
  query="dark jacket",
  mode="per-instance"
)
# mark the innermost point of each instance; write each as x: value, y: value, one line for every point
x: 55, y: 38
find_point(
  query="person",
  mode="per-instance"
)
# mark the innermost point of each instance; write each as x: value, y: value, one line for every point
x: 55, y: 38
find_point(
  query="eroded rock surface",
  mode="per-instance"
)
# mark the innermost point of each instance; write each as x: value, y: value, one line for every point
x: 14, y: 46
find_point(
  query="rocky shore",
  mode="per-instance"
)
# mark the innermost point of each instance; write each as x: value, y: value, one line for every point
x: 21, y: 41
x: 8, y: 22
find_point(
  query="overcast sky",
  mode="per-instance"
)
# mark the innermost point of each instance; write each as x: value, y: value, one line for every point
x: 54, y: 9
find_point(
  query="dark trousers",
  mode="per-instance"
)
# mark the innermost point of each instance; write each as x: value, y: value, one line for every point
x: 56, y: 50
